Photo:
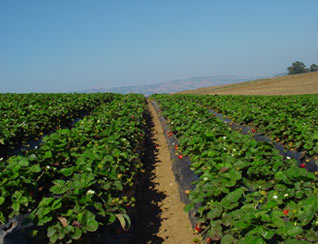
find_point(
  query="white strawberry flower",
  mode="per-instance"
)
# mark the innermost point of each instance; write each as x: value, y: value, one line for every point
x: 288, y: 157
x: 1, y: 159
x: 275, y: 196
x: 90, y: 192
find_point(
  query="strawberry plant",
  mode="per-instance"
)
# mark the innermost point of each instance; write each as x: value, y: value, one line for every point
x: 291, y: 120
x: 28, y: 116
x: 80, y: 178
x: 248, y: 193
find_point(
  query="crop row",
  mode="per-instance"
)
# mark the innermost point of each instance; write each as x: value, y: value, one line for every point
x: 292, y: 120
x: 80, y: 178
x: 28, y: 116
x: 248, y: 193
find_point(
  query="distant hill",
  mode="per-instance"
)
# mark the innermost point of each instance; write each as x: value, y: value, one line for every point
x: 176, y: 85
x: 280, y: 85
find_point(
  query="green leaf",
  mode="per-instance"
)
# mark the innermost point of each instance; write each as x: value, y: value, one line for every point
x: 35, y: 168
x: 67, y: 171
x: 270, y: 204
x: 231, y: 199
x: 87, y: 219
x: 241, y: 225
x: 56, y: 204
x: 311, y: 236
x: 53, y: 238
x: 293, y: 230
x: 15, y: 206
x: 44, y: 219
x: 315, y: 136
x: 227, y: 239
x: 108, y: 158
x: 214, y: 212
x: 112, y: 218
x: 47, y: 154
x: 268, y: 234
x: 2, y: 199
x: 118, y: 185
x: 307, y: 215
x: 124, y: 220
x: 24, y: 201
x: 51, y: 231
x: 59, y: 187
x: 46, y: 201
x: 77, y: 234
x: 280, y: 176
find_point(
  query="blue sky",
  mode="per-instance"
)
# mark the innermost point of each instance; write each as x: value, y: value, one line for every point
x: 74, y: 45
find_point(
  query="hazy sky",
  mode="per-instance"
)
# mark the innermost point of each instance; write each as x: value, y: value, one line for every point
x: 73, y: 45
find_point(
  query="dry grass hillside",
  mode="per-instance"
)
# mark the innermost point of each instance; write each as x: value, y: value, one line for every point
x: 284, y: 85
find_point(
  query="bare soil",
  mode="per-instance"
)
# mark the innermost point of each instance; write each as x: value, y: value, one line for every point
x: 285, y: 85
x: 161, y: 218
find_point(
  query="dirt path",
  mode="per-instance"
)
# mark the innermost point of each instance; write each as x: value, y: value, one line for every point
x: 161, y: 218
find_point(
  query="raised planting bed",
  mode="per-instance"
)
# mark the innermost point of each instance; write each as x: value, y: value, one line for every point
x: 291, y: 120
x: 26, y: 117
x: 248, y: 192
x: 81, y: 180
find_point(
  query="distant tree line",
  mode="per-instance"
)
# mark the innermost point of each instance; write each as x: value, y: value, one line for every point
x: 299, y: 68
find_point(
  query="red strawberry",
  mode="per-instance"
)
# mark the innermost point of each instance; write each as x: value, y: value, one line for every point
x: 209, y: 240
x: 180, y: 156
x: 197, y: 228
x: 303, y: 165
x: 286, y: 212
x: 253, y: 130
x: 132, y: 117
x: 176, y: 147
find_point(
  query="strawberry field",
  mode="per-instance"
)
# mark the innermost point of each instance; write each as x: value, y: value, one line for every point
x: 247, y: 192
x: 292, y: 120
x: 80, y: 178
x: 83, y: 176
x: 28, y: 116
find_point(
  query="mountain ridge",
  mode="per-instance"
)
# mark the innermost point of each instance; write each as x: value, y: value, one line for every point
x: 176, y: 85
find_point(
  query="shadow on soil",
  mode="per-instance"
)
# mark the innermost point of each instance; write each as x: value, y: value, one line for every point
x: 148, y: 216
